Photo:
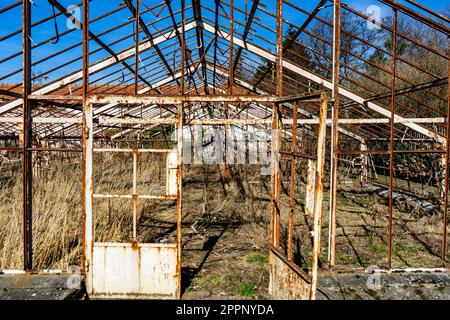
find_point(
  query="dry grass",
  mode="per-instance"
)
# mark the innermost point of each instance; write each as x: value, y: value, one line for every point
x: 57, y: 210
x: 241, y: 207
x: 56, y: 218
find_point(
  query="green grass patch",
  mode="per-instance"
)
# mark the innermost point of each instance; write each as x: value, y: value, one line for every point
x: 378, y: 246
x: 245, y: 289
x: 257, y: 258
x: 209, y: 281
x: 363, y: 202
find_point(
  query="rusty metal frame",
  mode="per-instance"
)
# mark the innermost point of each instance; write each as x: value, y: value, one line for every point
x: 318, y: 194
x: 27, y: 174
x: 444, y: 246
x: 100, y: 101
x: 87, y: 156
x: 334, y: 132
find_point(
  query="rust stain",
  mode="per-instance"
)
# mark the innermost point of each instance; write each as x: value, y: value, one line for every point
x: 287, y: 282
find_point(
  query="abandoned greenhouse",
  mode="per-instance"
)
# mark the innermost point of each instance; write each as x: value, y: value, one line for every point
x: 224, y: 149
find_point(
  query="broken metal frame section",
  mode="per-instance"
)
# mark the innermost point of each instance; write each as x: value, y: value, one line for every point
x: 287, y: 280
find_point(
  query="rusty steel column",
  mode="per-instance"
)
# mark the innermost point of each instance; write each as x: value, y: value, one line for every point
x: 334, y: 133
x: 276, y: 132
x: 447, y: 156
x: 27, y: 177
x: 180, y: 117
x: 392, y: 131
x: 318, y: 194
x: 292, y: 186
x: 279, y: 53
x: 88, y: 191
x: 179, y: 190
x: 134, y: 199
x: 276, y: 177
x: 274, y: 167
x: 183, y: 49
x: 231, y: 62
x: 230, y: 88
x: 87, y: 144
x: 136, y: 67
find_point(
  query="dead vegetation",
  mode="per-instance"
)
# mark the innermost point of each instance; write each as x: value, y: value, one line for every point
x: 57, y: 216
x: 225, y: 224
x: 56, y: 219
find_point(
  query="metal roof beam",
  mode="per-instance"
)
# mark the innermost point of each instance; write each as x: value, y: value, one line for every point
x: 149, y: 35
x: 96, y: 67
x: 323, y: 82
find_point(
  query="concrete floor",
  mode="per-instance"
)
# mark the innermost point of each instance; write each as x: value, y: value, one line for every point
x: 336, y: 286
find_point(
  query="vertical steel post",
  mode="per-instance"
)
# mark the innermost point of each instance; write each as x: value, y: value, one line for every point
x: 230, y: 88
x: 447, y: 156
x: 364, y: 163
x: 231, y: 63
x: 88, y: 191
x: 318, y: 195
x: 276, y: 132
x: 88, y: 147
x: 135, y: 195
x: 310, y: 188
x: 392, y: 131
x: 179, y: 190
x: 136, y: 67
x: 27, y: 167
x: 334, y: 133
x: 180, y: 147
x: 274, y: 170
x: 276, y: 179
x: 292, y: 184
x: 183, y: 49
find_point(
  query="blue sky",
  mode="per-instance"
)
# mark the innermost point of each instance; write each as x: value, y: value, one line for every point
x: 11, y: 21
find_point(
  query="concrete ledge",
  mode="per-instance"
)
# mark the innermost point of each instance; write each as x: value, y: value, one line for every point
x: 385, y: 286
x: 41, y: 287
